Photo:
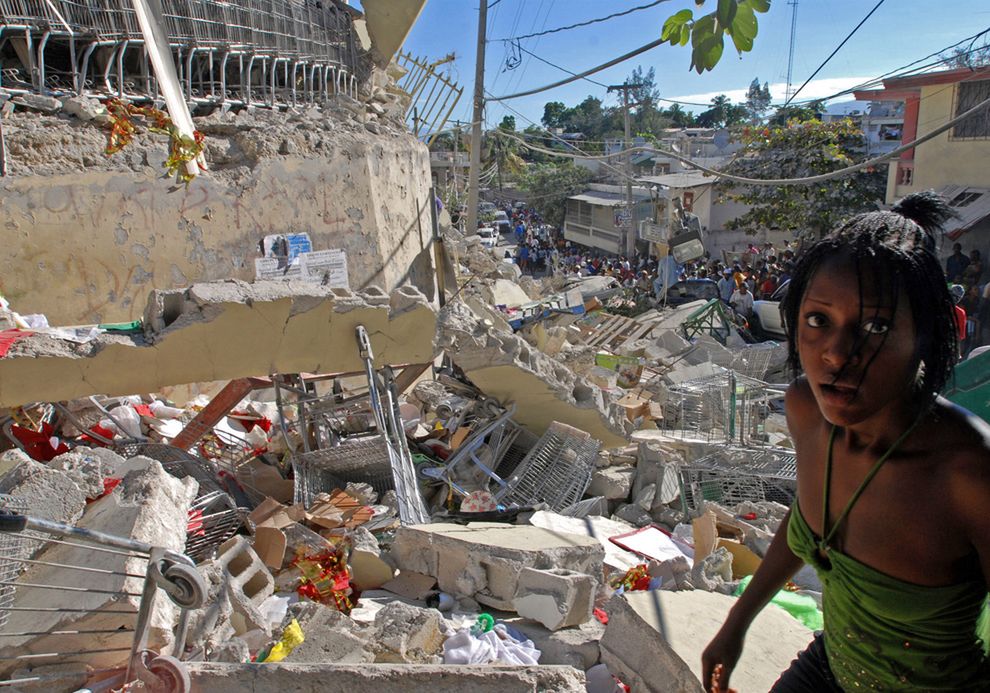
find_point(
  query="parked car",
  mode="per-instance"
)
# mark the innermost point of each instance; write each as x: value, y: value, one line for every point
x: 767, y: 322
x: 502, y: 222
x: 689, y: 290
x: 489, y: 236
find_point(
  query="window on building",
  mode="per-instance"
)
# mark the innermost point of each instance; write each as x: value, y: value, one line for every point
x: 965, y: 198
x: 969, y: 94
x: 687, y: 201
x: 905, y: 175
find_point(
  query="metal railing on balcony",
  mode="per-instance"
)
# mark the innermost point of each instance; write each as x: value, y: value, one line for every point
x: 239, y: 52
x: 432, y: 96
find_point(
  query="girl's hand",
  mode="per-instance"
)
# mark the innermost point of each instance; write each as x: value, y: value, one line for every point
x: 719, y: 659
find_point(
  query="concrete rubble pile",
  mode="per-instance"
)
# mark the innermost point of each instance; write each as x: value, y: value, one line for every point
x: 596, y: 485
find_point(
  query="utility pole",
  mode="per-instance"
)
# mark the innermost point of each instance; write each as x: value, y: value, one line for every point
x: 476, y: 119
x: 629, y: 240
x: 790, y: 54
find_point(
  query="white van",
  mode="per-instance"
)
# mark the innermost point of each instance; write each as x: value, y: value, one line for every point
x: 489, y: 236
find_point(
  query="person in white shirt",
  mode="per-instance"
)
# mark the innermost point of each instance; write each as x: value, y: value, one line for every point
x: 742, y: 301
x: 726, y: 285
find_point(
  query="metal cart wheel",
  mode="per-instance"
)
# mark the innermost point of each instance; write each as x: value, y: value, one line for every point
x: 170, y: 674
x: 189, y: 586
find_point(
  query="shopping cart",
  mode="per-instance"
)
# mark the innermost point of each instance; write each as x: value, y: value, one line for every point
x: 376, y: 459
x: 91, y: 618
x: 556, y: 471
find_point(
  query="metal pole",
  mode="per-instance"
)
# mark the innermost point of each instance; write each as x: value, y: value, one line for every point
x: 630, y: 243
x: 479, y: 108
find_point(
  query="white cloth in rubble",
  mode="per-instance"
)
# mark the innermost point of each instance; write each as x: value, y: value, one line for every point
x: 496, y: 645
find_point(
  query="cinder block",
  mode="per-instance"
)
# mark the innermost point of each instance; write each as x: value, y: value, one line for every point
x: 557, y: 598
x: 248, y: 583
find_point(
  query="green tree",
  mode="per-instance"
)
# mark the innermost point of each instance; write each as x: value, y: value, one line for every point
x: 723, y: 113
x: 503, y: 152
x: 799, y: 150
x: 735, y: 18
x: 553, y: 114
x: 757, y: 100
x: 679, y: 117
x: 804, y: 112
x: 552, y: 184
x: 969, y: 57
x: 508, y: 123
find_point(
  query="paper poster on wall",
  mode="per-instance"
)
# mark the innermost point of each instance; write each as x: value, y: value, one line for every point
x: 328, y: 267
x: 272, y: 268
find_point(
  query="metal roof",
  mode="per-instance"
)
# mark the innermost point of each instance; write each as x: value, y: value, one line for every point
x: 608, y: 199
x: 970, y: 210
x: 682, y: 179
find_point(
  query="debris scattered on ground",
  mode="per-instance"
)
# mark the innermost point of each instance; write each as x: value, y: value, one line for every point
x: 499, y: 486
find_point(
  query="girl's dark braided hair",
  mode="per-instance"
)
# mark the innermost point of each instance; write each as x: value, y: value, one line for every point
x: 897, y: 250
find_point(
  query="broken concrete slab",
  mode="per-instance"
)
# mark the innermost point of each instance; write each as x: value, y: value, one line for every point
x: 222, y: 331
x: 48, y: 493
x: 148, y: 505
x: 408, y: 634
x: 597, y: 528
x: 84, y: 468
x: 576, y: 647
x: 613, y: 483
x: 331, y: 637
x: 482, y: 560
x: 383, y: 678
x: 654, y: 640
x: 505, y: 367
x: 557, y: 598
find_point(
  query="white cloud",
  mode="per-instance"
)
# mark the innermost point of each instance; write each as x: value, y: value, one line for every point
x: 816, y: 89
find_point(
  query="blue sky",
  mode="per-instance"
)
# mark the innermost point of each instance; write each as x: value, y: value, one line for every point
x: 898, y: 33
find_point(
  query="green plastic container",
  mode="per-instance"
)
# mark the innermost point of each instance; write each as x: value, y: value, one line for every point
x: 970, y: 386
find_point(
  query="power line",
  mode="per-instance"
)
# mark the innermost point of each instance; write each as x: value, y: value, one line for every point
x: 600, y: 84
x: 587, y: 23
x: 808, y: 180
x: 832, y: 54
x: 901, y: 71
x: 562, y: 69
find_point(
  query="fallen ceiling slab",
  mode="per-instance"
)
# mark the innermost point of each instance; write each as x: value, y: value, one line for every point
x: 222, y: 331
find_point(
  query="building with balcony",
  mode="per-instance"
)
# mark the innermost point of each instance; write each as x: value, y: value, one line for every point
x: 954, y: 162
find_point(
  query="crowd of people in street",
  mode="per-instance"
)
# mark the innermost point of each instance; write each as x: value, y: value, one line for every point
x: 752, y: 275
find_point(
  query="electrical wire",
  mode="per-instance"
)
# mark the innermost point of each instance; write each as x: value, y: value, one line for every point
x: 837, y: 48
x: 586, y: 23
x: 902, y: 71
x: 615, y: 61
x: 808, y: 180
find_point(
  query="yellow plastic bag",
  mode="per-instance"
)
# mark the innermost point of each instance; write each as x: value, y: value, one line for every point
x: 292, y: 637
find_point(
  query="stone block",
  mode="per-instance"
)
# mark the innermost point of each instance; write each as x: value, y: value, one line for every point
x: 150, y: 506
x: 653, y: 641
x: 248, y: 583
x: 557, y: 598
x: 613, y: 483
x: 482, y: 560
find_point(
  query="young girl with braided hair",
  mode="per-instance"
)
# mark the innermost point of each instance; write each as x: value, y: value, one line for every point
x: 893, y: 482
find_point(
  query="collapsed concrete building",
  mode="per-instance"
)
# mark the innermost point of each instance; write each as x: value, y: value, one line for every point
x: 382, y: 483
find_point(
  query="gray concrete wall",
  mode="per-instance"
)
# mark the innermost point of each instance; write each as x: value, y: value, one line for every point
x: 87, y: 237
